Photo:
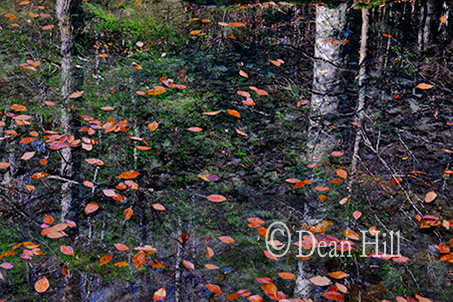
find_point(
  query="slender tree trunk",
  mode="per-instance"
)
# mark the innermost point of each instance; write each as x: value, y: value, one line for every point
x: 362, y: 88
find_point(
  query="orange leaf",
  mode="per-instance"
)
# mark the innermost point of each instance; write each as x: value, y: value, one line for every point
x: 194, y: 129
x: 357, y: 215
x: 338, y: 275
x: 121, y: 264
x: 424, y: 86
x: 336, y: 180
x: 211, y: 266
x: 46, y: 27
x: 396, y: 180
x: 128, y: 213
x: 128, y: 175
x: 216, y: 198
x: 299, y: 184
x: 341, y: 287
x: 387, y: 35
x: 321, y: 188
x: 270, y: 256
x: 159, y: 294
x: 27, y: 140
x: 212, y: 112
x: 226, y: 239
x: 333, y: 296
x: 48, y: 219
x: 75, y: 95
x: 322, y: 197
x: 209, y: 252
x: 136, y: 66
x: 255, y: 298
x: 67, y: 250
x: 91, y: 207
x: 351, y: 234
x: 336, y: 153
x: 4, y: 165
x: 236, y: 24
x: 320, y: 281
x: 139, y: 259
x: 158, y: 206
x: 344, y: 200
x: 18, y: 107
x: 88, y: 184
x: 234, y: 113
x: 188, y: 264
x: 240, y: 132
x: 144, y: 148
x: 10, y: 16
x: 342, y: 173
x: 287, y: 275
x: 430, y: 196
x: 38, y: 175
x: 195, y: 32
x: 214, y: 288
x: 153, y: 126
x: 94, y: 161
x: 106, y: 259
x: 42, y: 285
x: 121, y: 247
x: 243, y: 74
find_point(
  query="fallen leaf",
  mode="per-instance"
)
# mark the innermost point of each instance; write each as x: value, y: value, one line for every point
x: 42, y: 285
x: 430, y: 196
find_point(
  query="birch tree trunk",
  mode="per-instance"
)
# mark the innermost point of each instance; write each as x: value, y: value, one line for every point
x: 327, y: 84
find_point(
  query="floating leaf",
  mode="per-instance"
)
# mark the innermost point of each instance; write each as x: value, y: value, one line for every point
x: 338, y: 275
x: 357, y: 215
x: 342, y: 173
x: 216, y: 198
x: 106, y: 259
x: 243, y: 74
x: 287, y: 275
x: 42, y: 285
x: 153, y: 126
x: 67, y: 250
x: 91, y: 207
x: 195, y: 129
x: 226, y: 239
x: 159, y: 294
x: 234, y: 113
x: 211, y: 266
x: 128, y: 175
x: 320, y: 281
x: 430, y: 196
x: 188, y: 264
x: 424, y: 86
x: 209, y: 252
x: 351, y: 234
x: 75, y: 95
x: 335, y: 296
x: 214, y: 288
x: 128, y: 213
x: 121, y: 247
x: 158, y: 206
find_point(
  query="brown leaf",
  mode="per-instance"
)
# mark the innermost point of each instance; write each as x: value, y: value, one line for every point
x: 209, y: 252
x: 424, y: 86
x: 121, y: 247
x: 128, y: 213
x: 234, y: 113
x: 128, y: 175
x: 67, y: 250
x: 139, y: 259
x: 226, y: 239
x: 320, y: 281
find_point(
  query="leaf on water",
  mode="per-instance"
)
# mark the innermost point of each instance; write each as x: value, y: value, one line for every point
x: 106, y: 259
x: 357, y: 215
x: 75, y: 95
x: 91, y: 207
x: 209, y: 252
x: 351, y: 234
x: 160, y: 294
x: 42, y: 285
x: 342, y: 173
x: 424, y: 86
x: 67, y: 250
x: 195, y: 129
x: 243, y: 74
x: 216, y: 198
x: 121, y: 247
x: 320, y: 281
x: 128, y: 213
x: 234, y: 113
x: 286, y: 275
x: 158, y: 206
x: 128, y: 175
x: 226, y: 239
x: 214, y: 288
x: 153, y: 126
x: 430, y: 196
x: 338, y: 275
